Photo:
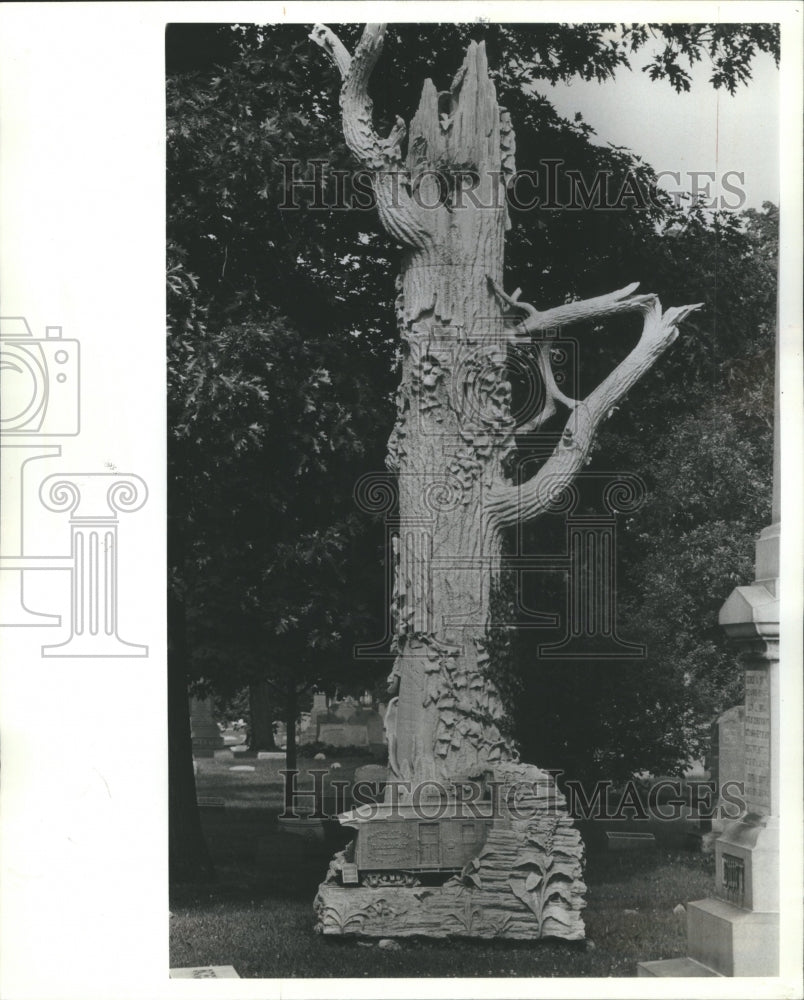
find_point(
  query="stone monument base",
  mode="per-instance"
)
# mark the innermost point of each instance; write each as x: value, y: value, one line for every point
x: 731, y: 940
x: 739, y: 935
x: 525, y: 883
x: 724, y: 940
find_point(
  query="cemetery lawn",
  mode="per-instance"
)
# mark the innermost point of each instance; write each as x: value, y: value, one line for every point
x: 258, y: 914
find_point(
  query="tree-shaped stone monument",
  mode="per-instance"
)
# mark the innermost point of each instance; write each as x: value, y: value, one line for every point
x: 453, y: 435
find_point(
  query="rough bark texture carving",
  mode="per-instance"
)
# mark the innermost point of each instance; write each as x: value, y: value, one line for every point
x: 453, y: 435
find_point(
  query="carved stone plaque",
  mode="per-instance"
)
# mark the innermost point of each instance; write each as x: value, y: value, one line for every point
x: 757, y: 740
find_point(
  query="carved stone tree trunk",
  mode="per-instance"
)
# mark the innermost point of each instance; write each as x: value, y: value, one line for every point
x: 453, y: 430
x: 444, y: 202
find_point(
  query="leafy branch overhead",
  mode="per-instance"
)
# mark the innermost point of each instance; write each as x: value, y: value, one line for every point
x: 730, y: 48
x: 560, y: 52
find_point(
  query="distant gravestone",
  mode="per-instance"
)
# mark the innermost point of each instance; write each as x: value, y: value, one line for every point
x: 204, y: 733
x: 628, y: 841
x: 331, y: 733
x: 356, y: 736
x: 345, y: 723
x: 371, y: 772
x: 342, y: 734
x: 318, y: 712
x: 302, y: 826
x: 346, y: 709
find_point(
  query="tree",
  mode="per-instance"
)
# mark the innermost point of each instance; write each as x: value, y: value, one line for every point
x: 259, y: 405
x: 261, y: 704
x: 265, y: 562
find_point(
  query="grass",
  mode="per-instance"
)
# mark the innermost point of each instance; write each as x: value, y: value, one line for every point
x: 258, y: 915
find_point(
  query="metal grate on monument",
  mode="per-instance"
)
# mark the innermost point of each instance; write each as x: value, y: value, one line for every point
x: 734, y: 878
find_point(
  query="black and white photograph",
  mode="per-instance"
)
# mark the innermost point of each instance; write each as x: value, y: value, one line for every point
x: 401, y: 489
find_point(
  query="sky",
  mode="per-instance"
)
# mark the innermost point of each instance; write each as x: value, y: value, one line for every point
x: 702, y: 130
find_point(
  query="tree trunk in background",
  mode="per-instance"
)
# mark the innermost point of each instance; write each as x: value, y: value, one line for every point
x: 260, y: 706
x: 291, y: 715
x: 188, y: 853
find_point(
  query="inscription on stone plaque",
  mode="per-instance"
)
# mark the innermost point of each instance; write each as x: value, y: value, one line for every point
x: 386, y: 843
x: 757, y: 740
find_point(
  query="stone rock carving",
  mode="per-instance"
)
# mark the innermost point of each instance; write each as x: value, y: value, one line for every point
x: 453, y: 435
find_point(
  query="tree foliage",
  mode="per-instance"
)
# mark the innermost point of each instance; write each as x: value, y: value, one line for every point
x: 698, y: 431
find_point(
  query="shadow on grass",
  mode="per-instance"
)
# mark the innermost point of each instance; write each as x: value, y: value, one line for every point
x: 254, y: 859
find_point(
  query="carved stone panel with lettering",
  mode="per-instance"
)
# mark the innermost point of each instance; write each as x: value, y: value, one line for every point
x: 757, y: 741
